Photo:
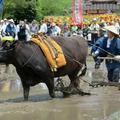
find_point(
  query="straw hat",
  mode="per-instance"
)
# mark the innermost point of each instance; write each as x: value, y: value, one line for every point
x: 112, y: 29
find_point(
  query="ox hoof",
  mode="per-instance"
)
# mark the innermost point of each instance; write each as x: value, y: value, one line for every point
x: 52, y: 95
x: 66, y: 94
x: 118, y: 88
x: 83, y: 93
x: 69, y: 91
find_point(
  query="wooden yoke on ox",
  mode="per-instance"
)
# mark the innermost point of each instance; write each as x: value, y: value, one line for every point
x: 51, y: 50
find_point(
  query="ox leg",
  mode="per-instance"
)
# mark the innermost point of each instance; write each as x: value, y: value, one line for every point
x: 50, y: 85
x: 75, y: 83
x: 75, y: 86
x: 26, y: 90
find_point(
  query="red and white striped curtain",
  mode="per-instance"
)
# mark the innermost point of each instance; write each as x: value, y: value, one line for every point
x: 77, y: 11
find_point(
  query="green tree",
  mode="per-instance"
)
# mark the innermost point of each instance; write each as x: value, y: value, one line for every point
x: 52, y: 7
x: 31, y: 9
x: 20, y: 9
x: 8, y: 8
x: 25, y: 9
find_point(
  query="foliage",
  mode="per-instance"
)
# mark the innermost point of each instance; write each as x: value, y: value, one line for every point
x: 20, y: 9
x: 8, y: 8
x: 25, y: 10
x: 53, y: 7
x: 31, y: 9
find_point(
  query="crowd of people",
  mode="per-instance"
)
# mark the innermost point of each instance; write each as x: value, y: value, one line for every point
x: 24, y: 30
x: 104, y: 37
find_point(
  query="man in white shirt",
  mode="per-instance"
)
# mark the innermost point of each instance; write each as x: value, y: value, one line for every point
x: 43, y: 27
x: 94, y: 31
x: 56, y: 31
x: 5, y: 23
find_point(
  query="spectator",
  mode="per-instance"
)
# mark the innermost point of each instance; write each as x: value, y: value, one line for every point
x: 56, y: 31
x: 34, y: 27
x: 96, y: 49
x: 21, y: 31
x: 74, y: 29
x: 4, y: 26
x: 49, y: 28
x: 43, y: 27
x: 94, y: 31
x: 1, y: 27
x: 11, y: 29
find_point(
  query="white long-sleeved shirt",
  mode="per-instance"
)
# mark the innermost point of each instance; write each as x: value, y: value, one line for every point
x: 43, y: 28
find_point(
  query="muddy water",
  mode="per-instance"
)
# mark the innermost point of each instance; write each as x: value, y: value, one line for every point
x: 103, y: 104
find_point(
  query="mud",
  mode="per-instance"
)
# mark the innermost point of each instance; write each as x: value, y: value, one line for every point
x: 103, y: 104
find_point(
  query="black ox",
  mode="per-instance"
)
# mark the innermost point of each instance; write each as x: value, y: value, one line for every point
x: 32, y: 66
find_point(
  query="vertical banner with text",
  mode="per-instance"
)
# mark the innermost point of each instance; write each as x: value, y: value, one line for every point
x: 77, y: 11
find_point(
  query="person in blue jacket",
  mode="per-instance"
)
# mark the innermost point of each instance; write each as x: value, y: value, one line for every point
x: 10, y: 29
x: 110, y: 47
x: 96, y: 48
x: 95, y: 52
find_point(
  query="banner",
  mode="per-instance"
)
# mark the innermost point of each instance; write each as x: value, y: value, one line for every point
x: 77, y: 11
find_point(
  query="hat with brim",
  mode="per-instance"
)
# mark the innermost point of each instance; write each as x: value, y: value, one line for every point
x: 11, y: 20
x: 112, y: 29
x: 5, y: 19
x: 94, y: 19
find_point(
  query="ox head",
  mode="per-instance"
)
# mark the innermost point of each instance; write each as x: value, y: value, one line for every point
x: 7, y: 52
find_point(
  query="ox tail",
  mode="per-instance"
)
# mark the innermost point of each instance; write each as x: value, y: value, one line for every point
x: 83, y: 71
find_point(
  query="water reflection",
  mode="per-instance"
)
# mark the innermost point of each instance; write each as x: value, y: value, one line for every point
x: 12, y: 85
x: 97, y: 107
